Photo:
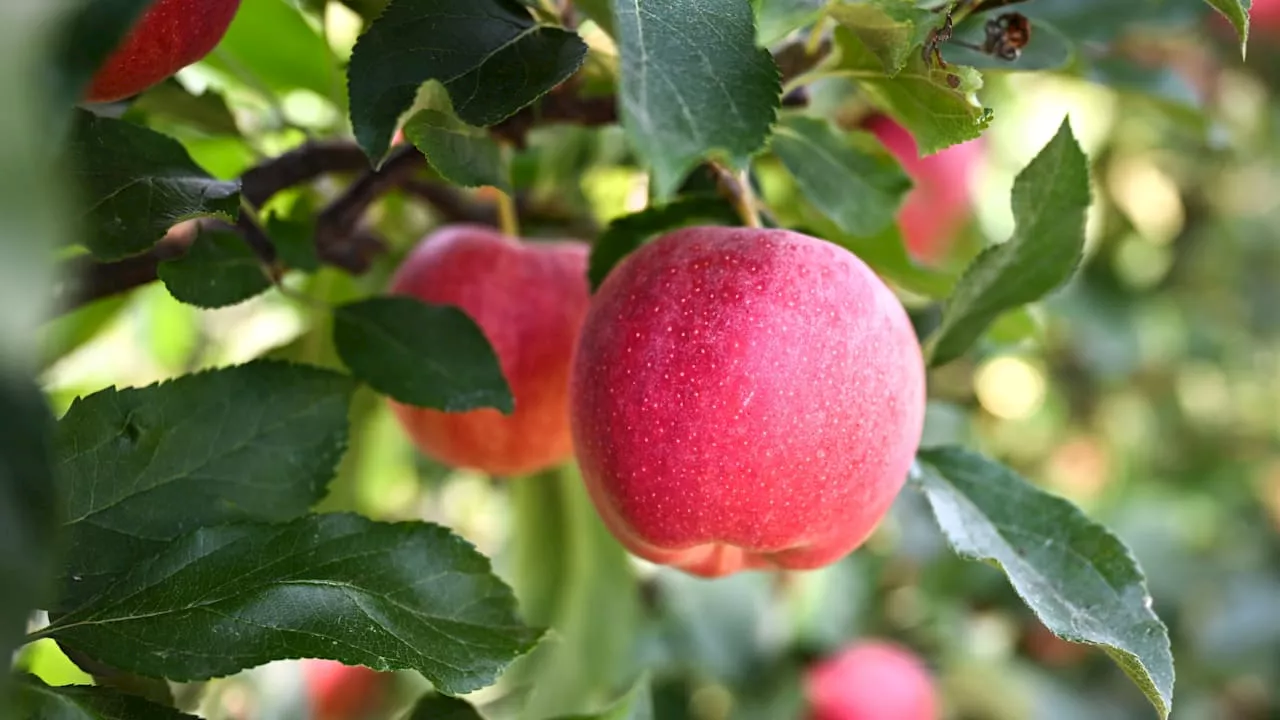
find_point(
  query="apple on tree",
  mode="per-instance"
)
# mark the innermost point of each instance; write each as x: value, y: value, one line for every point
x: 171, y: 35
x: 745, y: 398
x: 939, y: 204
x: 871, y: 680
x: 342, y: 692
x: 529, y: 299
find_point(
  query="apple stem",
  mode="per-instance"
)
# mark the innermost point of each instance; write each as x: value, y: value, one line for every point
x: 508, y: 220
x: 746, y: 201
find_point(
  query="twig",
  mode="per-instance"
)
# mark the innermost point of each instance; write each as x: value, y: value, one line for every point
x: 337, y: 241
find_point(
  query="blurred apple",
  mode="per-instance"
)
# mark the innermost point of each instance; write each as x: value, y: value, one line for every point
x: 871, y: 680
x: 343, y: 692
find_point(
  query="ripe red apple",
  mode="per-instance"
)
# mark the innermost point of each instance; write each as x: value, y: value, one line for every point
x: 342, y: 692
x: 169, y: 36
x: 529, y: 299
x: 939, y: 204
x: 871, y: 680
x: 1265, y: 15
x: 745, y: 398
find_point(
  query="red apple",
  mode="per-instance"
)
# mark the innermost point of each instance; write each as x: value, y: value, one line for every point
x: 342, y: 692
x: 529, y: 299
x: 939, y: 204
x: 871, y: 680
x: 1265, y: 15
x: 745, y: 398
x: 171, y: 35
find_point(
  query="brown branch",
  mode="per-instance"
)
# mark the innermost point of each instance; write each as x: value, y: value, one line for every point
x: 338, y: 242
x: 561, y: 105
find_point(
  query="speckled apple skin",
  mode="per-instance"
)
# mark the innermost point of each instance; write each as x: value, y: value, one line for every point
x: 939, y: 204
x: 745, y: 399
x: 171, y: 35
x: 871, y: 680
x: 529, y: 299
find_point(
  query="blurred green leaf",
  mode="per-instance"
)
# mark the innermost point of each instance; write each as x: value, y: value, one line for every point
x: 1237, y: 11
x: 37, y: 701
x: 462, y: 154
x: 597, y: 10
x: 271, y: 44
x: 1078, y: 578
x: 637, y: 704
x: 889, y: 29
x: 886, y: 253
x: 489, y: 54
x: 1048, y: 49
x: 935, y: 104
x: 693, y: 84
x: 91, y: 33
x: 1102, y: 21
x: 218, y: 270
x: 294, y: 238
x: 572, y: 575
x: 66, y: 333
x: 206, y: 112
x: 425, y: 355
x: 850, y: 178
x: 1051, y: 197
x: 775, y: 19
x: 137, y: 184
x: 442, y: 707
x: 627, y: 233
x: 142, y: 466
x: 405, y: 596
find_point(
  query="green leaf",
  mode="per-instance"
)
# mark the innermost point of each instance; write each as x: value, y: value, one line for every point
x: 37, y: 701
x: 28, y: 508
x: 143, y: 466
x: 693, y: 84
x: 66, y: 333
x: 219, y: 269
x: 627, y: 233
x: 294, y: 238
x: 93, y: 31
x: 206, y: 112
x: 936, y: 105
x: 891, y: 30
x: 489, y: 54
x: 432, y: 356
x: 886, y: 253
x: 775, y: 19
x: 637, y: 704
x: 1050, y: 200
x: 406, y: 596
x: 597, y: 10
x: 851, y: 178
x: 1103, y: 21
x: 1237, y: 11
x: 462, y: 154
x: 270, y: 43
x: 1078, y: 578
x: 1048, y: 50
x: 442, y: 707
x: 137, y: 183
x: 572, y: 575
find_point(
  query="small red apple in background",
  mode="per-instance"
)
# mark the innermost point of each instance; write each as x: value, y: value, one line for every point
x: 745, y: 398
x: 342, y: 692
x: 871, y: 680
x: 170, y: 35
x: 529, y: 299
x: 1265, y: 15
x: 939, y: 204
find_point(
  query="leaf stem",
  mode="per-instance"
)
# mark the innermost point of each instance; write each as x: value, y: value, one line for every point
x: 814, y: 42
x: 508, y: 219
x: 746, y: 201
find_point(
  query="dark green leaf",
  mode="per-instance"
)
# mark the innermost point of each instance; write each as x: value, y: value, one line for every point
x: 572, y: 575
x: 137, y: 183
x: 37, y: 701
x: 1237, y: 11
x: 1078, y: 578
x: 1050, y: 199
x: 207, y: 112
x: 851, y: 178
x: 462, y: 154
x: 143, y: 466
x: 406, y: 596
x: 891, y: 30
x: 219, y: 269
x: 28, y: 507
x: 94, y: 30
x: 693, y: 83
x: 637, y: 704
x: 431, y: 356
x: 935, y: 104
x: 270, y: 42
x: 775, y: 19
x: 442, y: 707
x: 625, y: 234
x: 489, y: 54
x: 294, y: 238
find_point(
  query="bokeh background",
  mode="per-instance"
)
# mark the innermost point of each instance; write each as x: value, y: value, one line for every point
x: 1147, y: 391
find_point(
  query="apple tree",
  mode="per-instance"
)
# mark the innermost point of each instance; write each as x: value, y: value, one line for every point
x: 550, y: 359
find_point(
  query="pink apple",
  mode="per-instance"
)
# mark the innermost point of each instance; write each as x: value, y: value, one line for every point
x: 939, y: 204
x: 745, y: 398
x: 871, y: 680
x: 529, y: 299
x: 342, y: 692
